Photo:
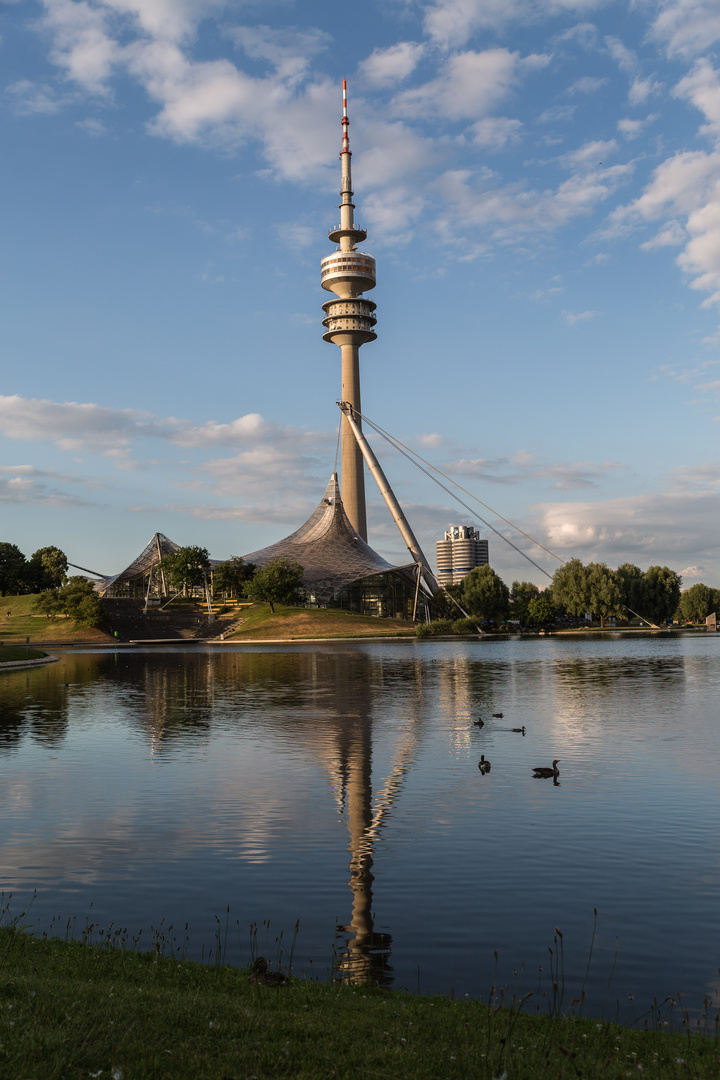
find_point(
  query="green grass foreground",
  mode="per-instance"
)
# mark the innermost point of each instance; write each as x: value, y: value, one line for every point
x: 19, y: 620
x: 71, y: 1010
x: 259, y: 623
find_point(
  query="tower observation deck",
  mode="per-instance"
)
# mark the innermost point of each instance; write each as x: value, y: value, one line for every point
x: 349, y: 322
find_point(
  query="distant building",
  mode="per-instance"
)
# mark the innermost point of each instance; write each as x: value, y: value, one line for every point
x: 459, y: 553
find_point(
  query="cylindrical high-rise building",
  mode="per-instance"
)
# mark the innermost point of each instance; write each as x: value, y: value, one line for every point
x: 459, y: 553
x: 349, y: 322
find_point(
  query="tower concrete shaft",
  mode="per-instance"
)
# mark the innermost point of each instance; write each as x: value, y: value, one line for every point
x: 349, y: 322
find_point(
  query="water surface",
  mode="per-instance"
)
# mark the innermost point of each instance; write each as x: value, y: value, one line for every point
x: 338, y: 784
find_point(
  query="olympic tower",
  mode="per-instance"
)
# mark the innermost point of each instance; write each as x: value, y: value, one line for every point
x: 349, y: 322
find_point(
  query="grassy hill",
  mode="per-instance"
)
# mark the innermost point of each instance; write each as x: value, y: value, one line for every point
x: 22, y: 623
x: 259, y: 623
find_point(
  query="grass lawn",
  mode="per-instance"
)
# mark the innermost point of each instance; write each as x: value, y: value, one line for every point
x: 70, y: 1010
x: 17, y: 652
x: 22, y: 623
x: 293, y: 622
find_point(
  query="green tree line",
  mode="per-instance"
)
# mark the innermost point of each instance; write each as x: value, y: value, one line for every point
x: 653, y: 595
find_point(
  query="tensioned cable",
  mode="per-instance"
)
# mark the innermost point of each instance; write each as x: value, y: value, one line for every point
x: 396, y: 442
x: 412, y: 454
x: 406, y: 452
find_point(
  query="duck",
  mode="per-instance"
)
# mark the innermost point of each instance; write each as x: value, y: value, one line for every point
x: 498, y: 715
x: 520, y: 730
x: 483, y: 765
x: 479, y: 722
x: 262, y: 977
x: 542, y: 772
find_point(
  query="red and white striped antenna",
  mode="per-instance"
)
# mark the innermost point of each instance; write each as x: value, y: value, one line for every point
x: 345, y: 121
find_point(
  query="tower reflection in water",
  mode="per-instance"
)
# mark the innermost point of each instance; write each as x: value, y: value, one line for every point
x: 331, y: 702
x: 363, y: 954
x: 362, y: 951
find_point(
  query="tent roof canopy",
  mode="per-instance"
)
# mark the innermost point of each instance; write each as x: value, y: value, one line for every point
x: 328, y: 548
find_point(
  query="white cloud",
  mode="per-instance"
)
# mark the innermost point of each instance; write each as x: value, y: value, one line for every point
x: 655, y: 528
x: 641, y: 89
x: 508, y: 213
x: 82, y: 45
x: 387, y: 67
x: 574, y: 317
x: 556, y: 113
x: 75, y: 425
x: 171, y: 19
x: 288, y: 50
x: 691, y: 572
x: 687, y: 186
x: 26, y: 484
x: 452, y: 22
x: 686, y: 27
x: 702, y: 88
x: 625, y: 58
x: 632, y: 129
x: 91, y: 127
x: 671, y: 235
x: 523, y: 466
x: 469, y: 84
x: 586, y: 156
x: 30, y: 98
x: 588, y: 84
x: 495, y: 132
x: 432, y: 441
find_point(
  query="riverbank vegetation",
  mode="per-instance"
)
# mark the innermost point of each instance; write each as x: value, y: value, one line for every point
x: 578, y: 593
x: 20, y: 620
x: 71, y: 1009
x: 13, y: 653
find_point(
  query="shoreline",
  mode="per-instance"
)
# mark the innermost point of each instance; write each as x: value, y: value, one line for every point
x: 353, y: 638
x: 5, y: 665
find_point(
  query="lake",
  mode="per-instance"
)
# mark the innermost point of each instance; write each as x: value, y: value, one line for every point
x: 337, y: 784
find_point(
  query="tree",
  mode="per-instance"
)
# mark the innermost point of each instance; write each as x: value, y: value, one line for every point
x: 629, y: 579
x: 230, y: 576
x: 571, y: 587
x: 12, y: 570
x: 275, y: 583
x: 46, y: 569
x: 484, y: 594
x: 77, y: 599
x: 696, y: 603
x: 521, y: 593
x: 660, y: 593
x: 541, y: 611
x: 186, y: 568
x: 605, y: 593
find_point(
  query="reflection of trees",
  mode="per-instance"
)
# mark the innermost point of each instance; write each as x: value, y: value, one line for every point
x: 34, y: 702
x: 579, y: 675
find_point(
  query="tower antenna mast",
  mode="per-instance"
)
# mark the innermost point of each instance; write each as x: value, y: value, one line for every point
x: 349, y: 322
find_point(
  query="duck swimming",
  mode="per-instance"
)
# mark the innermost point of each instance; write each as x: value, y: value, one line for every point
x: 483, y: 765
x: 262, y: 977
x: 542, y: 772
x: 519, y: 729
x: 498, y: 715
x: 479, y: 722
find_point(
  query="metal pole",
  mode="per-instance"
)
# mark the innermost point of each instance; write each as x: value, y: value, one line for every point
x: 417, y: 590
x: 387, y: 493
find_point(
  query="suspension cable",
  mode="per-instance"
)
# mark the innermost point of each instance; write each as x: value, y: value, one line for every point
x: 398, y: 445
x: 406, y: 452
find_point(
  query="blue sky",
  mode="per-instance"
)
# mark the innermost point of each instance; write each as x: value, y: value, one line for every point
x: 540, y: 182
